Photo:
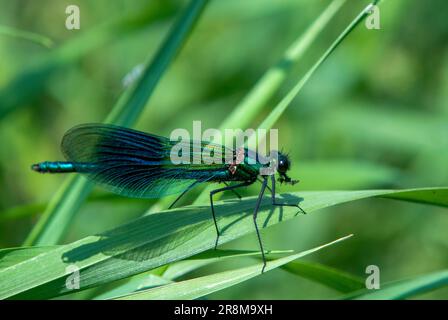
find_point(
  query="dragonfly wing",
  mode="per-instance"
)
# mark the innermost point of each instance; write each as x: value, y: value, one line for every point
x: 129, y: 162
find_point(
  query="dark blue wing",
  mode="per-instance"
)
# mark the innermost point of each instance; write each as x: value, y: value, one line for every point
x: 132, y: 163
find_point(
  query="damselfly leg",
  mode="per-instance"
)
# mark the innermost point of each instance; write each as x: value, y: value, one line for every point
x: 264, y: 185
x: 183, y: 193
x: 233, y: 191
x: 274, y: 200
x: 257, y: 206
x: 227, y: 188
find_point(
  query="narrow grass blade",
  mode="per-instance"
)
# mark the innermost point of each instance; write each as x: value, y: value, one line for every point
x: 275, y: 114
x: 333, y: 278
x: 131, y: 105
x: 35, y: 209
x: 26, y: 35
x: 286, y: 101
x: 199, y: 287
x: 169, y: 236
x: 266, y: 87
x: 406, y: 288
x: 69, y: 198
x: 32, y: 79
x: 138, y: 283
x: 12, y: 256
x: 186, y: 266
x: 435, y: 197
x: 178, y: 269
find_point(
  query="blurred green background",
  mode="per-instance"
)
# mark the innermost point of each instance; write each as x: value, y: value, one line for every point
x: 374, y: 116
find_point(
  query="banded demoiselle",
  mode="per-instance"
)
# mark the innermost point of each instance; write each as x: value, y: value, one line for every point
x: 136, y: 164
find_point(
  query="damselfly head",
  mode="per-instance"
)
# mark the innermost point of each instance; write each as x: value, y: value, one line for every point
x: 283, y: 165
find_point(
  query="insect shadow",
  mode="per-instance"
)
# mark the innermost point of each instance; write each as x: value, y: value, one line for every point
x: 267, y: 202
x: 159, y: 234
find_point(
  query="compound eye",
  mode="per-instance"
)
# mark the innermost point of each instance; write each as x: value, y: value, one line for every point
x: 282, y: 166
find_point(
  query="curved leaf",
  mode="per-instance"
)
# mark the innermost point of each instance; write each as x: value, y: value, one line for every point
x: 330, y: 277
x: 157, y: 239
x: 407, y: 288
x: 199, y: 287
x: 26, y: 35
x: 176, y: 270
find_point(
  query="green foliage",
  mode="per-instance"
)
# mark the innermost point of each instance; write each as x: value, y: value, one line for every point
x: 370, y: 122
x: 406, y: 288
x: 30, y: 36
x: 331, y: 277
x: 158, y: 239
x: 199, y: 287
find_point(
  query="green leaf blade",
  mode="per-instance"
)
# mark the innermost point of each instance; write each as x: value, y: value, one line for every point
x: 330, y: 277
x: 161, y: 238
x: 199, y: 287
x: 407, y: 288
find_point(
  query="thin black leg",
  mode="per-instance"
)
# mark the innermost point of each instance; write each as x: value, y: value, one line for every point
x: 213, y: 208
x: 234, y: 192
x: 274, y: 201
x: 257, y: 206
x: 267, y: 187
x: 183, y: 193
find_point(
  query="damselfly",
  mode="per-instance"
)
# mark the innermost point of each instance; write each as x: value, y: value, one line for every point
x: 136, y: 164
